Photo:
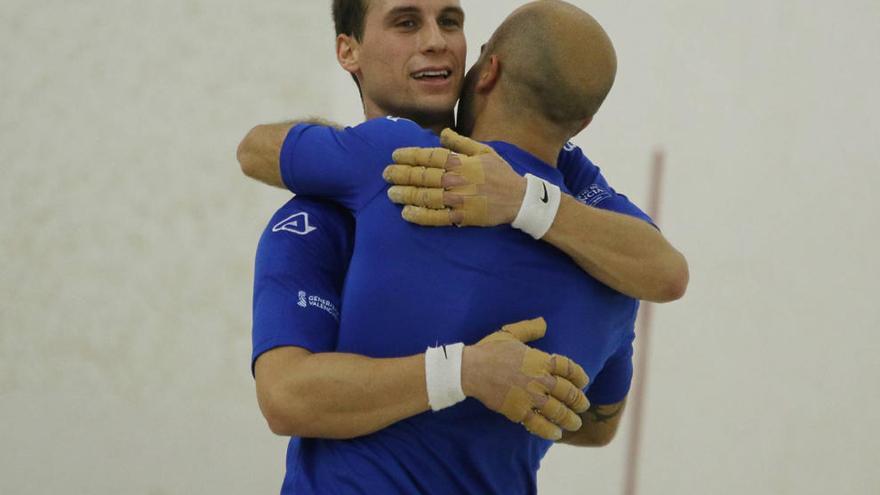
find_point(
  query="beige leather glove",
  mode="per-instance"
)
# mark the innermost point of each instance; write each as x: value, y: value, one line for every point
x: 540, y: 391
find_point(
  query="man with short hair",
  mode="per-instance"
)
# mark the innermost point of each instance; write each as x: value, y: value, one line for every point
x: 398, y: 43
x: 351, y: 365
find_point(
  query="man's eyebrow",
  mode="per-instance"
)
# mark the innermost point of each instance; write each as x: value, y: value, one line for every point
x: 412, y: 9
x: 453, y: 10
x: 403, y: 9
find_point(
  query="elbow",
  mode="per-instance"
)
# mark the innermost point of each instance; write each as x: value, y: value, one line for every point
x: 592, y: 440
x: 674, y: 283
x: 285, y: 424
x: 603, y: 441
x: 279, y: 422
x: 296, y: 418
x: 679, y: 280
x: 604, y: 437
x: 247, y: 159
x: 282, y: 419
x: 677, y: 285
x: 280, y: 426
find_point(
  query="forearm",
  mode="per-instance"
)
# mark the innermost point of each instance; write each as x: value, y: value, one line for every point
x: 336, y: 395
x: 622, y: 252
x: 260, y: 151
x: 590, y: 435
x: 341, y: 396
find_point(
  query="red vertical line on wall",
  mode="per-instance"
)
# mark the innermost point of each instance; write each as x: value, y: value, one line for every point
x: 643, y: 347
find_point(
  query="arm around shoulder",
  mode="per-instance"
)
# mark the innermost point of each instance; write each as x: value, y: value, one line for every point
x: 259, y: 152
x: 625, y: 253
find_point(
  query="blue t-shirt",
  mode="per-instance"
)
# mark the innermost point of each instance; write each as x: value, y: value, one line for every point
x: 300, y: 268
x: 410, y: 287
x: 296, y: 259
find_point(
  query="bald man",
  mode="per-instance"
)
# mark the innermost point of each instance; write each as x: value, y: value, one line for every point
x: 409, y: 288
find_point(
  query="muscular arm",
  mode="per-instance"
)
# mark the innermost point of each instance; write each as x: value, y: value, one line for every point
x: 624, y: 253
x: 600, y: 424
x: 627, y: 254
x: 259, y: 151
x: 335, y: 395
x: 339, y: 396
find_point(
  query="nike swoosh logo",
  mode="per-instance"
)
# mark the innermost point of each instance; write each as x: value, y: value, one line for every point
x: 546, y: 198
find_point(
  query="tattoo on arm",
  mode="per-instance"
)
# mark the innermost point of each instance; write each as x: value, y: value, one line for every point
x: 604, y: 414
x: 600, y: 425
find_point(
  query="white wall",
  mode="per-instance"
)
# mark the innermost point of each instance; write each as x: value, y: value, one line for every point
x: 128, y: 235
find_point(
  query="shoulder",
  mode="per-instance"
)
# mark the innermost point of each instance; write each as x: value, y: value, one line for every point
x: 392, y: 132
x: 584, y: 178
x: 572, y: 162
x: 390, y: 122
x: 310, y: 210
x: 383, y: 134
x: 578, y: 171
x: 307, y: 223
x: 587, y: 184
x: 370, y: 130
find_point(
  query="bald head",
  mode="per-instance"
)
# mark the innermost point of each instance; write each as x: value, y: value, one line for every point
x: 556, y: 60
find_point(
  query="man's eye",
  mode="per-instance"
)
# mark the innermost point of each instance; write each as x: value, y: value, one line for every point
x: 450, y: 22
x: 406, y: 23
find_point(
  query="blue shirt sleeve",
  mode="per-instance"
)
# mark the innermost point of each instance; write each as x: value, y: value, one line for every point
x: 344, y: 166
x: 587, y: 185
x: 612, y: 383
x: 300, y: 266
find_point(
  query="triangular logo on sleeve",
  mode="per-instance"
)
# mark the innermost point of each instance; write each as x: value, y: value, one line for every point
x: 297, y: 223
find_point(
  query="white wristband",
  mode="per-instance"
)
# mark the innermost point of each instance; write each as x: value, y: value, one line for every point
x: 539, y: 207
x: 443, y: 375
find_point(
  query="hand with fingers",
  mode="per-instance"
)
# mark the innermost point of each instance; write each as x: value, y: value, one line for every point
x: 540, y: 391
x: 465, y: 183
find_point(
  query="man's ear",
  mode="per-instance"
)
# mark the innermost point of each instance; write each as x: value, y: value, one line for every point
x: 347, y: 52
x: 489, y: 75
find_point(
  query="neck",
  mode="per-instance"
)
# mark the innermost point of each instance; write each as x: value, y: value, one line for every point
x: 434, y: 122
x: 528, y: 134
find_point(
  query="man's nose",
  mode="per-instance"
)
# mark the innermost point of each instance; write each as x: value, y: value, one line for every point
x: 433, y: 38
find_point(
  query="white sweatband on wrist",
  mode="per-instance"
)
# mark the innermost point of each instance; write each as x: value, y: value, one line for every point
x: 539, y: 207
x: 443, y: 375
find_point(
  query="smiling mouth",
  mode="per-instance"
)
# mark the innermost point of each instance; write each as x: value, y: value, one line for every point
x: 432, y: 75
